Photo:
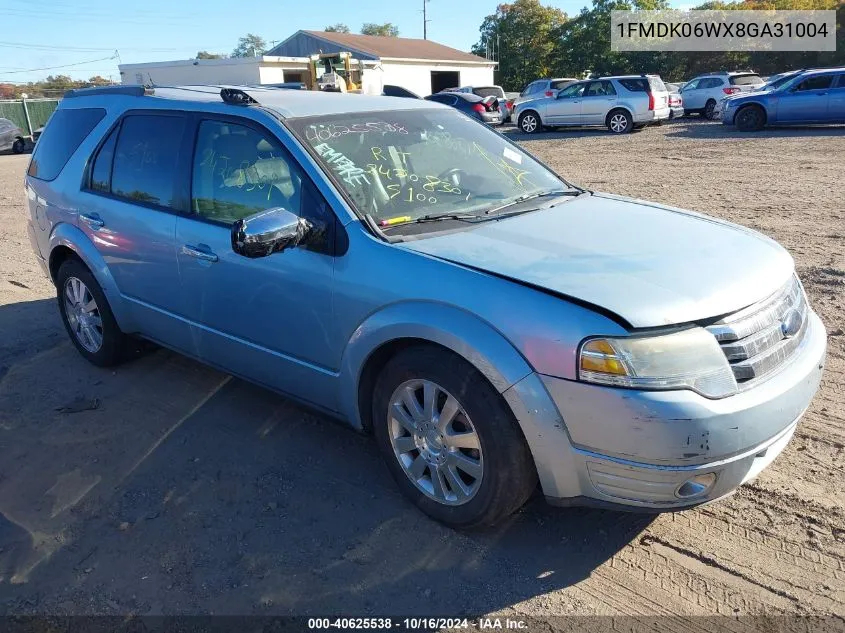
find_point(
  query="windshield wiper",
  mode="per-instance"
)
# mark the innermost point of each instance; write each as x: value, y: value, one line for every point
x: 436, y: 217
x: 532, y: 196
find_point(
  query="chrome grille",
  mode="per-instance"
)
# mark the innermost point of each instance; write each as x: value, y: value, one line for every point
x: 759, y: 339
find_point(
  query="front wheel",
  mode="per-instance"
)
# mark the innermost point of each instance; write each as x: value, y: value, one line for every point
x: 18, y: 146
x: 709, y: 110
x: 750, y: 119
x: 619, y: 122
x: 449, y: 439
x: 530, y: 123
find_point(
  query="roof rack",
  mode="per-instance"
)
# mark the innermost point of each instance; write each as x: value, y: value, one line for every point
x: 130, y: 91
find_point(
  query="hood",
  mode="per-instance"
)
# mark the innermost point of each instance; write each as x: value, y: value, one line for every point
x: 648, y: 264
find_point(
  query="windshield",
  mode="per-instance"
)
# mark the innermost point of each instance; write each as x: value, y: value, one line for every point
x: 398, y: 166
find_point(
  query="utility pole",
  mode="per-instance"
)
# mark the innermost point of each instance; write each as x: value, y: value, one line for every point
x: 425, y: 20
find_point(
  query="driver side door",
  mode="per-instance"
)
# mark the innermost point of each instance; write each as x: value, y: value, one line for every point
x: 267, y: 319
x: 565, y: 108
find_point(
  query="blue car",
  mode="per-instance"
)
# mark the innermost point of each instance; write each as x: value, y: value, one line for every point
x: 813, y: 96
x: 407, y: 270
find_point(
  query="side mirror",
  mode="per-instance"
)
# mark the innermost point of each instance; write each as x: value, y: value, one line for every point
x: 268, y: 232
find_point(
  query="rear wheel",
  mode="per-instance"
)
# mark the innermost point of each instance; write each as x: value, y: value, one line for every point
x: 709, y: 109
x: 87, y: 316
x: 19, y: 146
x: 619, y: 122
x: 750, y: 119
x: 529, y: 122
x: 449, y: 439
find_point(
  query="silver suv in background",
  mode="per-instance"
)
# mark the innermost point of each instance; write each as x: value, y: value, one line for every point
x: 543, y: 88
x: 702, y: 94
x: 620, y: 103
x: 11, y: 137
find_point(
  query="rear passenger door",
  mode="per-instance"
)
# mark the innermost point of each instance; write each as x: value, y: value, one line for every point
x: 268, y: 319
x: 599, y: 98
x: 135, y: 185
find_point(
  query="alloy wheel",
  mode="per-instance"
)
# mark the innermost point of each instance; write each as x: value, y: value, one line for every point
x: 618, y: 123
x: 435, y: 442
x: 529, y: 123
x: 83, y: 315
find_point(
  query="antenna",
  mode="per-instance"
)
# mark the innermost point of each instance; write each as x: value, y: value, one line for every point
x: 425, y: 19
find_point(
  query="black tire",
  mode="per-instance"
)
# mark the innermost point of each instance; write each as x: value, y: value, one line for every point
x: 709, y: 108
x: 751, y: 118
x: 508, y: 473
x: 114, y: 342
x: 613, y: 119
x: 19, y: 146
x: 525, y: 120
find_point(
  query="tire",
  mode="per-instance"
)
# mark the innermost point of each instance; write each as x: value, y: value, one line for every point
x: 709, y: 108
x: 506, y: 476
x: 619, y: 121
x: 530, y: 122
x: 751, y: 118
x: 19, y: 146
x: 112, y: 345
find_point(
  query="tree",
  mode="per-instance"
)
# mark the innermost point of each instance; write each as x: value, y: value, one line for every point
x: 250, y: 46
x: 387, y: 29
x: 207, y: 55
x: 520, y: 36
x: 337, y: 28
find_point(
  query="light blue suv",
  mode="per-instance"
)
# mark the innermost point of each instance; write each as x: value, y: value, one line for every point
x: 411, y: 272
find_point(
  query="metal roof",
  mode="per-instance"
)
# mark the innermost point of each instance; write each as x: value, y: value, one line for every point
x: 304, y: 43
x: 288, y: 103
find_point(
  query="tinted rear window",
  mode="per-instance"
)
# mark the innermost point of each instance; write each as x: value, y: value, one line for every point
x: 638, y: 84
x: 746, y: 80
x: 65, y: 130
x: 145, y: 158
x: 489, y: 92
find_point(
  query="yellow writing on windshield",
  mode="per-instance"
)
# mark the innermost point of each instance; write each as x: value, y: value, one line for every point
x: 518, y: 175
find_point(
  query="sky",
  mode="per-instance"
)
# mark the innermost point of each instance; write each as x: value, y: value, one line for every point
x: 39, y: 34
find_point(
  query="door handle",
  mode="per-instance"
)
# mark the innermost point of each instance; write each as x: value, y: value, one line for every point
x: 93, y: 221
x: 193, y: 251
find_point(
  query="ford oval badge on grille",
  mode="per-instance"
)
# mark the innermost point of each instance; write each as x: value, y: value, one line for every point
x: 791, y: 323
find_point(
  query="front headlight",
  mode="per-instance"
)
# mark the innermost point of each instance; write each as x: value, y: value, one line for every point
x: 689, y: 359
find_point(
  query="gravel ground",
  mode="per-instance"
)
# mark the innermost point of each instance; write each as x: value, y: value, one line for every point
x: 166, y: 487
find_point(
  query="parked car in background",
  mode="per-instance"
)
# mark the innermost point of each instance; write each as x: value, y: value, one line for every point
x: 543, y: 88
x: 485, y: 109
x: 360, y: 253
x: 620, y: 103
x: 489, y: 91
x: 702, y: 94
x: 389, y: 90
x: 676, y: 104
x: 812, y: 96
x: 11, y: 137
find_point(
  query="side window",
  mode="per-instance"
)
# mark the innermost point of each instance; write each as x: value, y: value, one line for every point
x: 600, y: 89
x: 239, y: 171
x: 634, y: 85
x: 573, y: 90
x: 692, y: 85
x: 101, y: 169
x: 145, y: 158
x: 820, y: 82
x: 841, y: 82
x: 65, y: 131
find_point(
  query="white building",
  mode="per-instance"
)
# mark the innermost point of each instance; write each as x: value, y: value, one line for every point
x: 421, y: 66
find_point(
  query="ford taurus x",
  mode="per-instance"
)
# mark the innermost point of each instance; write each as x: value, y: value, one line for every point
x: 407, y: 270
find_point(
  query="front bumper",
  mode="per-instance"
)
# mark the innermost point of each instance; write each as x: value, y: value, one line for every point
x: 636, y: 449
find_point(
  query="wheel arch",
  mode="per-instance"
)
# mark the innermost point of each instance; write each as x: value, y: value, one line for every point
x: 68, y: 241
x: 752, y: 104
x: 398, y: 326
x: 533, y: 111
x: 617, y: 108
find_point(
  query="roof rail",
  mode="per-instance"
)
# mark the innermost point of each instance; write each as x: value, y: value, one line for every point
x: 130, y: 91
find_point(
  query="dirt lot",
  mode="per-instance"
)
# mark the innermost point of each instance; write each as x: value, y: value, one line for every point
x: 166, y: 487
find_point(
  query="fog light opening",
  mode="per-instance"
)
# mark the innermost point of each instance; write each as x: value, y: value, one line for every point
x: 696, y: 486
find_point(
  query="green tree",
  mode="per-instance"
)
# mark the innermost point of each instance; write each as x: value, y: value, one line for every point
x: 386, y: 29
x: 520, y: 36
x: 207, y: 55
x: 250, y: 46
x: 337, y: 28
